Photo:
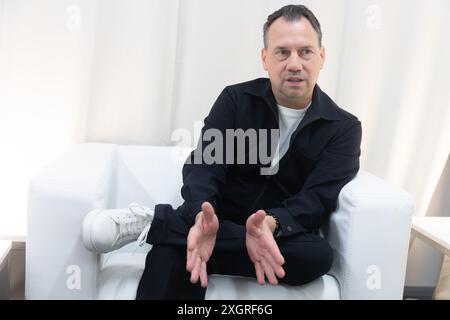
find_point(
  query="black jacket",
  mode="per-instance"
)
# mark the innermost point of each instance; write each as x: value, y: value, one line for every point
x: 322, y: 157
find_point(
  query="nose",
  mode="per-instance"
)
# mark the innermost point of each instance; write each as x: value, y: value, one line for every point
x: 294, y: 64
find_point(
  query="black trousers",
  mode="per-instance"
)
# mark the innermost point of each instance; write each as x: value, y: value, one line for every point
x: 307, y: 257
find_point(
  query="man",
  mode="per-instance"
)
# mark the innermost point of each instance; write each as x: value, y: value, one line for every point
x: 236, y: 220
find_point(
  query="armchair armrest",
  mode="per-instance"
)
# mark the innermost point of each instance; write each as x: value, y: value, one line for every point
x: 369, y: 233
x: 57, y: 264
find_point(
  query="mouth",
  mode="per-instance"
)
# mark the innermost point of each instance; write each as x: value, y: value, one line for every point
x: 295, y: 81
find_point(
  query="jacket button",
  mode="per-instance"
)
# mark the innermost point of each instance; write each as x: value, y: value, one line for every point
x: 289, y: 228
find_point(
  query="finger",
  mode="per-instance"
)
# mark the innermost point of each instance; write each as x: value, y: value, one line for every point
x: 259, y: 273
x: 196, y: 271
x: 191, y: 254
x: 192, y: 240
x: 279, y: 272
x: 252, y: 257
x: 188, y: 261
x: 269, y: 273
x: 203, y: 275
x: 276, y: 267
x: 274, y: 251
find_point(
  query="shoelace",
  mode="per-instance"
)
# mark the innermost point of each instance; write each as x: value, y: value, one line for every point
x: 129, y: 227
x: 144, y: 212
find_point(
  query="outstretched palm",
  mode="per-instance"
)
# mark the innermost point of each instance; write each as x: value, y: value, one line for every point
x: 200, y: 243
x: 263, y: 249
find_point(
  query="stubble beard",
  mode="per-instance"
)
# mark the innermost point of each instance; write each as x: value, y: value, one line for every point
x: 293, y: 95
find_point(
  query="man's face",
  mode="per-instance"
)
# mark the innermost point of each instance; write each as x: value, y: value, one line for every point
x: 293, y: 60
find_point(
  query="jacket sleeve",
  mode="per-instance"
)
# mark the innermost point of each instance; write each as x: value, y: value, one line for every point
x: 204, y: 171
x: 310, y: 208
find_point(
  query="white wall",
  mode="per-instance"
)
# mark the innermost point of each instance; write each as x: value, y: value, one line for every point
x: 133, y: 72
x: 44, y: 80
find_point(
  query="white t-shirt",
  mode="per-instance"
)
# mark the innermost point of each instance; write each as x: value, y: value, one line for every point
x: 289, y: 119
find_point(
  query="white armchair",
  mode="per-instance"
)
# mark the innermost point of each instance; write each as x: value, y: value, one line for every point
x: 369, y: 232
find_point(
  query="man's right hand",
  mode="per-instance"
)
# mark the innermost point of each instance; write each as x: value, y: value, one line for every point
x: 200, y: 243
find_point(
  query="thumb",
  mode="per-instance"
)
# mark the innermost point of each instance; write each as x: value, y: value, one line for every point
x: 208, y: 211
x: 258, y: 218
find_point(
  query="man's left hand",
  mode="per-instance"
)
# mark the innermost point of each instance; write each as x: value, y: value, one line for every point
x: 263, y: 249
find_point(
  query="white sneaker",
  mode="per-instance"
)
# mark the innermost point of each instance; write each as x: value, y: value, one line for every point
x: 106, y: 230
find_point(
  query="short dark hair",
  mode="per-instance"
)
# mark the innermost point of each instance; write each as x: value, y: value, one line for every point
x: 292, y: 13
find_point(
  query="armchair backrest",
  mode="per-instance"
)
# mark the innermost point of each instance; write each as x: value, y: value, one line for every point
x: 148, y: 175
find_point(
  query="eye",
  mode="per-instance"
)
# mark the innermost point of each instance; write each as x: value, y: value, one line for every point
x: 307, y: 53
x: 282, y: 54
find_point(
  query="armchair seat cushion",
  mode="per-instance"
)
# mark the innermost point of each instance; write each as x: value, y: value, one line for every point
x: 121, y: 271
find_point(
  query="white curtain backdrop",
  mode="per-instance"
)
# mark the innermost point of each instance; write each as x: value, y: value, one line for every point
x: 132, y: 72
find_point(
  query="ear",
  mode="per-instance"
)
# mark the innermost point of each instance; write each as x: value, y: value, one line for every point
x: 323, y: 56
x: 264, y: 57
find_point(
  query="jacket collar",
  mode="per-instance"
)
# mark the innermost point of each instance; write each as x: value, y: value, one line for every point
x: 321, y: 107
